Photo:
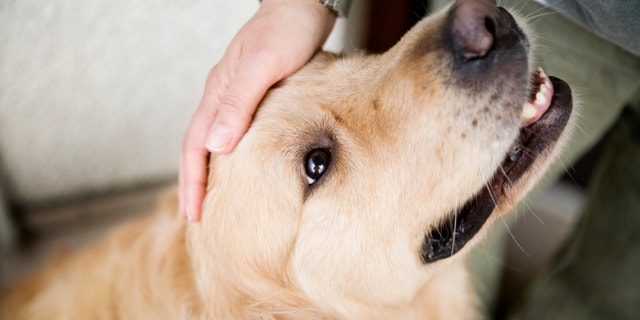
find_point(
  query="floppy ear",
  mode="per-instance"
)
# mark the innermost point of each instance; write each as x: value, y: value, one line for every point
x: 255, y: 194
x: 250, y: 217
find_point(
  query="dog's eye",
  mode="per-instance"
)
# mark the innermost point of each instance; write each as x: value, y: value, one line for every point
x: 316, y: 164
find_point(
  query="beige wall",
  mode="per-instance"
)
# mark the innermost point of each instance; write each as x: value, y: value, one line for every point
x: 95, y: 95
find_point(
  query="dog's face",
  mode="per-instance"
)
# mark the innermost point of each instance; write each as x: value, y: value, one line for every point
x: 362, y: 177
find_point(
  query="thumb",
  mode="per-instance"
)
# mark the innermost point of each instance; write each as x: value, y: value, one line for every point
x: 237, y: 106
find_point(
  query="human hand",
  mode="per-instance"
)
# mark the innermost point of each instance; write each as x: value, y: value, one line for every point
x: 277, y: 41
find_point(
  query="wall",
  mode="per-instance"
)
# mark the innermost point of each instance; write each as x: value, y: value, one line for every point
x: 95, y: 95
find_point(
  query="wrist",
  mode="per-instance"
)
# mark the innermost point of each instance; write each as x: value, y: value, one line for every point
x: 337, y: 7
x: 317, y: 14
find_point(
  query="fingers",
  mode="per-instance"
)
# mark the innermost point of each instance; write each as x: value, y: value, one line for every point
x: 192, y: 184
x: 218, y: 124
x: 261, y: 54
x: 239, y: 102
x: 192, y: 180
x: 193, y: 164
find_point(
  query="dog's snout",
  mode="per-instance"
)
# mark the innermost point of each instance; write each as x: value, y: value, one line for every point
x: 483, y: 41
x: 474, y: 26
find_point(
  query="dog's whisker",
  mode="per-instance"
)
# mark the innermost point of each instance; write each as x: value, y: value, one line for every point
x: 455, y: 222
x: 516, y: 7
x: 529, y: 209
x: 426, y: 8
x: 579, y: 125
x: 541, y: 11
x: 506, y: 225
x: 504, y: 173
x: 541, y: 14
x: 528, y: 151
x: 566, y: 165
x: 540, y: 44
x: 493, y: 197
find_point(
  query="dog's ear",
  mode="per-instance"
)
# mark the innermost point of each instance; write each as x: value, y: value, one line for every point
x: 250, y: 215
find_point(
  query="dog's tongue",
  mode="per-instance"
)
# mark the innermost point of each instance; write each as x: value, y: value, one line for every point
x: 539, y: 100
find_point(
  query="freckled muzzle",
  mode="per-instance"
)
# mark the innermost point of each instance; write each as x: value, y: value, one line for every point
x: 489, y: 49
x: 532, y: 143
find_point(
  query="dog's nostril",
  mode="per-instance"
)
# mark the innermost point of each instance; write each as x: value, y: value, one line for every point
x: 473, y: 28
x: 490, y: 25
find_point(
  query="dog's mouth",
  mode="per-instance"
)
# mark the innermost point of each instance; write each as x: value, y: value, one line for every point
x: 544, y: 118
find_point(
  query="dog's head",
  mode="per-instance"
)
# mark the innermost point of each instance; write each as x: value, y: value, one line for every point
x: 363, y: 176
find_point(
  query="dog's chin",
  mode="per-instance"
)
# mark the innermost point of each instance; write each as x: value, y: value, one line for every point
x: 531, y: 149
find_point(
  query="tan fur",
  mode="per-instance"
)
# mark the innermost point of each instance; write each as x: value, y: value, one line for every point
x: 409, y: 148
x: 140, y: 271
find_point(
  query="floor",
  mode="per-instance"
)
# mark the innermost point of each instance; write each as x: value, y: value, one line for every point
x: 535, y: 236
x: 74, y: 225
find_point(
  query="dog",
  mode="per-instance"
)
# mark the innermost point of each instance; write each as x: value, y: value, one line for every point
x: 359, y: 189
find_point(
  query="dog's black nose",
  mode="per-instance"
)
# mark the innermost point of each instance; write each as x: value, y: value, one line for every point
x: 473, y: 26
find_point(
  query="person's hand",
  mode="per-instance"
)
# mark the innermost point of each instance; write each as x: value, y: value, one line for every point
x: 279, y: 39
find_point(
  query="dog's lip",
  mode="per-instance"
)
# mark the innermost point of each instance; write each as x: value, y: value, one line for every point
x: 534, y: 139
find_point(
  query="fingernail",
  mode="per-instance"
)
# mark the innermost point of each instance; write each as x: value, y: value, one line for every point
x: 219, y: 138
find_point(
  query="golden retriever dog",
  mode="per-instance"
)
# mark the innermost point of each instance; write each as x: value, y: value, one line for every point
x: 359, y: 189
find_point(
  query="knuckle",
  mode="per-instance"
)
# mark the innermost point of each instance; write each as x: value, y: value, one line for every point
x: 233, y: 106
x: 192, y: 146
x: 266, y: 57
x: 213, y: 73
x: 273, y: 64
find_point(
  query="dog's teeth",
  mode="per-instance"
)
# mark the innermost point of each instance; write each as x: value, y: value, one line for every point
x: 528, y: 112
x: 546, y: 82
x: 542, y: 73
x: 540, y: 98
x: 533, y: 110
x: 543, y: 88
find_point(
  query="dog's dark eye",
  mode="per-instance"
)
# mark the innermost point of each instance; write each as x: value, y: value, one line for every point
x: 316, y: 164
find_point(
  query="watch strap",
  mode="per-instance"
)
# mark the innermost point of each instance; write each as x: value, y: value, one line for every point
x: 340, y: 7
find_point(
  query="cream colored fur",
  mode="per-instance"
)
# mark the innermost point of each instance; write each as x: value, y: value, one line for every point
x: 407, y: 149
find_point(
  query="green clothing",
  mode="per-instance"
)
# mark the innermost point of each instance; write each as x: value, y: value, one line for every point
x: 615, y: 21
x: 597, y: 274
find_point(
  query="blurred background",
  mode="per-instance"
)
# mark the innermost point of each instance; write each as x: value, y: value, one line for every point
x: 96, y: 95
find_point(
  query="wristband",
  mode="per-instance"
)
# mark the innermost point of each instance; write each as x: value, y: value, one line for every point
x: 340, y: 7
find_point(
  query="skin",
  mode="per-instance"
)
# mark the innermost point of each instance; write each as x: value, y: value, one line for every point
x: 277, y: 41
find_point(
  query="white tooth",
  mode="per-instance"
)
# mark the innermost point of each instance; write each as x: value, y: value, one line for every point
x: 545, y: 78
x: 541, y: 73
x: 540, y: 98
x: 543, y: 88
x: 528, y: 112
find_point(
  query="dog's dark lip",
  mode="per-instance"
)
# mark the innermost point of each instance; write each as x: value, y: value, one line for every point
x: 453, y: 233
